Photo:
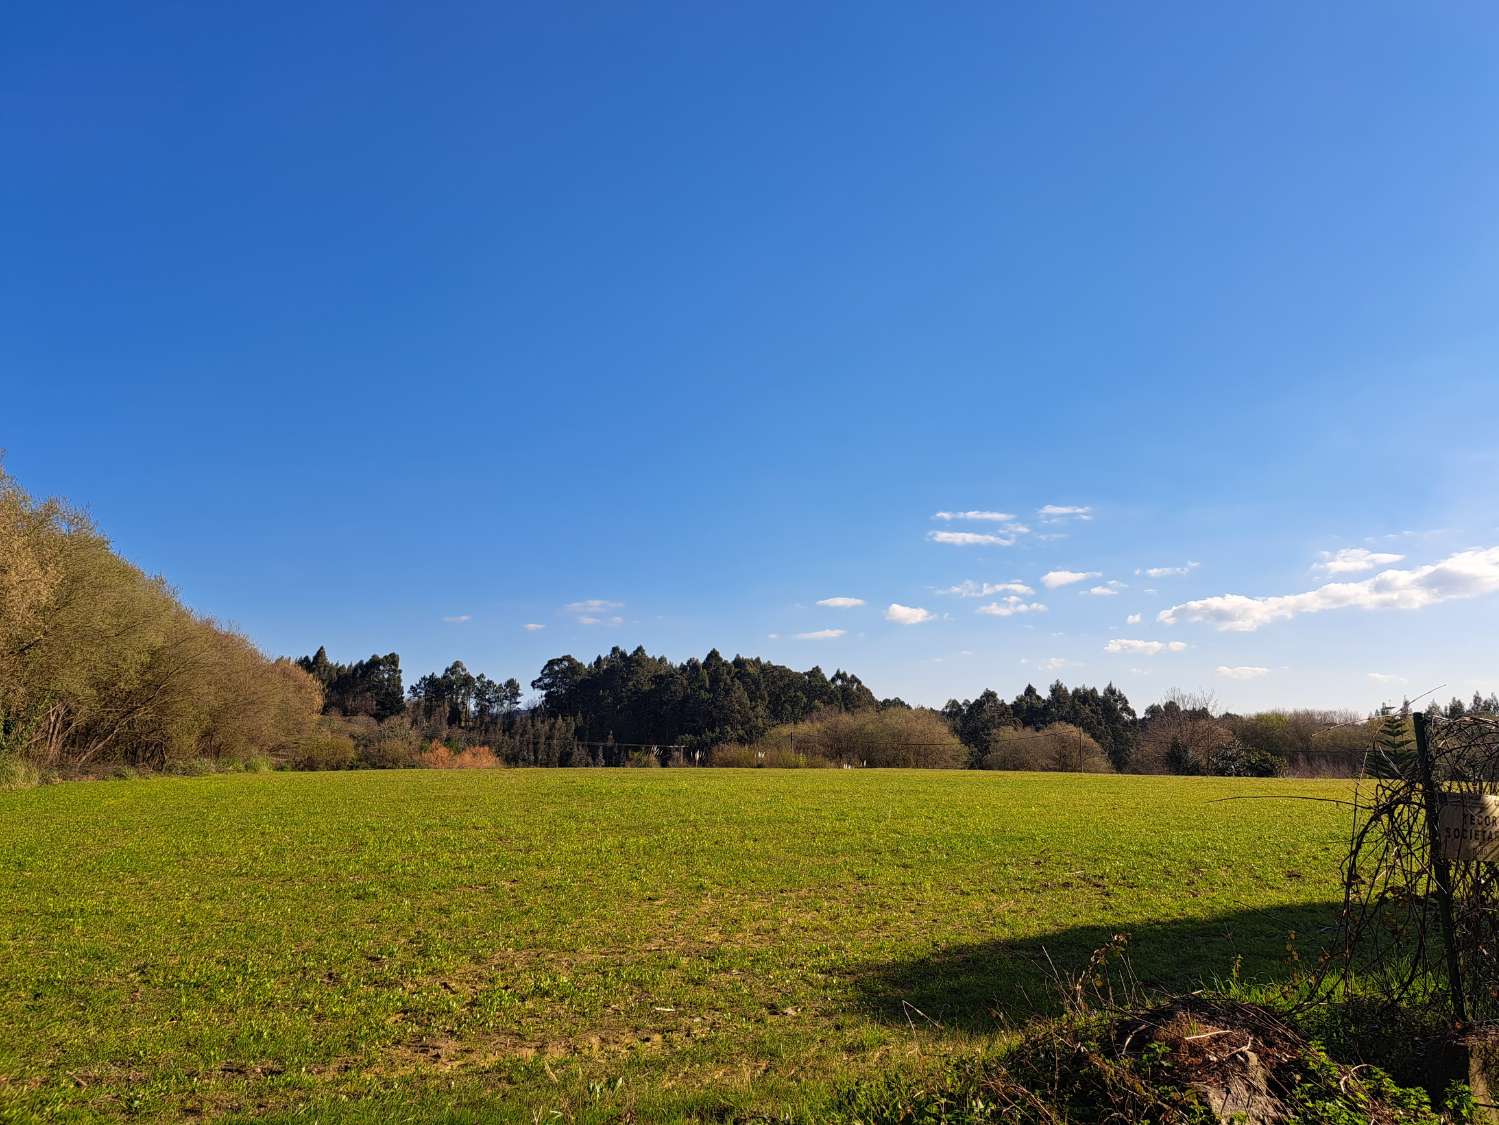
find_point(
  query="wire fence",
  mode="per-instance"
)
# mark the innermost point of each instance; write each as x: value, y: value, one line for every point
x: 1420, y: 921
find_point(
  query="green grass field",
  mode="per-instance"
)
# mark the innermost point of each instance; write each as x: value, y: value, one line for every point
x: 588, y: 945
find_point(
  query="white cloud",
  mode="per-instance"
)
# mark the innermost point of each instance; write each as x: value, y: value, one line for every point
x: 990, y: 517
x: 1052, y: 513
x: 1242, y: 672
x: 1010, y: 607
x: 841, y: 603
x: 774, y: 636
x: 592, y: 605
x: 1467, y: 574
x: 1167, y: 571
x: 1056, y: 663
x: 532, y: 627
x: 1144, y: 648
x: 459, y: 618
x: 821, y: 635
x: 1354, y: 560
x: 1054, y: 579
x: 1107, y: 590
x: 906, y: 614
x: 1386, y: 678
x: 971, y: 589
x: 971, y: 539
x: 1132, y: 619
x: 594, y: 611
x: 1407, y: 535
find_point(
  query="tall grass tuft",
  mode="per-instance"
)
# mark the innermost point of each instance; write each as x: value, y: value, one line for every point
x: 17, y: 773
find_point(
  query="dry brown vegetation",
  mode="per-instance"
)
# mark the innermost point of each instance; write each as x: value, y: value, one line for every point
x: 440, y: 757
x: 1060, y: 746
x: 101, y: 666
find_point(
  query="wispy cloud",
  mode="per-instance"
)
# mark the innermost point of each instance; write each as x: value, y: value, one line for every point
x: 1055, y: 664
x: 1107, y: 590
x: 972, y: 589
x: 458, y: 618
x: 990, y: 517
x: 1386, y: 678
x: 1242, y: 671
x: 841, y: 603
x: 592, y: 605
x: 1055, y: 513
x: 1056, y: 579
x: 1354, y: 560
x: 907, y: 614
x: 1467, y: 574
x: 595, y: 611
x: 1003, y: 535
x: 1011, y: 606
x: 1406, y: 535
x: 532, y: 627
x: 1132, y: 619
x: 971, y: 539
x: 1144, y: 648
x: 821, y: 635
x: 1167, y: 571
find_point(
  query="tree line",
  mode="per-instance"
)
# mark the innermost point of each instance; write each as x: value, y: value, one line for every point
x: 631, y: 707
x: 102, y: 667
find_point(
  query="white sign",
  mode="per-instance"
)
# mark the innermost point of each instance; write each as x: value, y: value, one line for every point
x: 1469, y: 825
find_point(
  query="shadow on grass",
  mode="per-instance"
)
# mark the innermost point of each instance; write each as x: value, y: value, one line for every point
x: 988, y: 986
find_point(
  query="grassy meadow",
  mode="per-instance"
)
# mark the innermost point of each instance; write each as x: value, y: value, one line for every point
x: 592, y: 945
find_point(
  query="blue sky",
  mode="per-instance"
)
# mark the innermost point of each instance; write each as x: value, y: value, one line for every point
x: 354, y: 319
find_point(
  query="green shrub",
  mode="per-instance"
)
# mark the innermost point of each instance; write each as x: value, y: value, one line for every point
x: 323, y: 750
x: 1179, y: 759
x: 1234, y: 759
x: 895, y: 737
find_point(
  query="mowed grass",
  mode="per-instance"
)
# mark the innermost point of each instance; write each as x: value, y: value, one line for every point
x: 589, y: 945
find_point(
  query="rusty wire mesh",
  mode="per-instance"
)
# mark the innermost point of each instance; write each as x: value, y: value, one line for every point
x: 1393, y: 943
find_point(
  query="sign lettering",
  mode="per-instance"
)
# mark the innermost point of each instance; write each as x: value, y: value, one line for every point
x: 1469, y: 825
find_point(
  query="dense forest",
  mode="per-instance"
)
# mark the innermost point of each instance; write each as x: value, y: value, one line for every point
x: 632, y: 708
x: 102, y: 669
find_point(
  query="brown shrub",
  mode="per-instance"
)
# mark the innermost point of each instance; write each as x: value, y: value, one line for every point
x: 439, y: 756
x: 643, y: 760
x: 739, y: 756
x: 733, y: 755
x: 1060, y: 746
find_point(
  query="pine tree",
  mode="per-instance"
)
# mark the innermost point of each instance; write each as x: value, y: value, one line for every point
x: 1394, y: 755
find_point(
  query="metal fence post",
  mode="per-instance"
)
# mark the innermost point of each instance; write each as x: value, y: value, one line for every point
x: 1439, y: 865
